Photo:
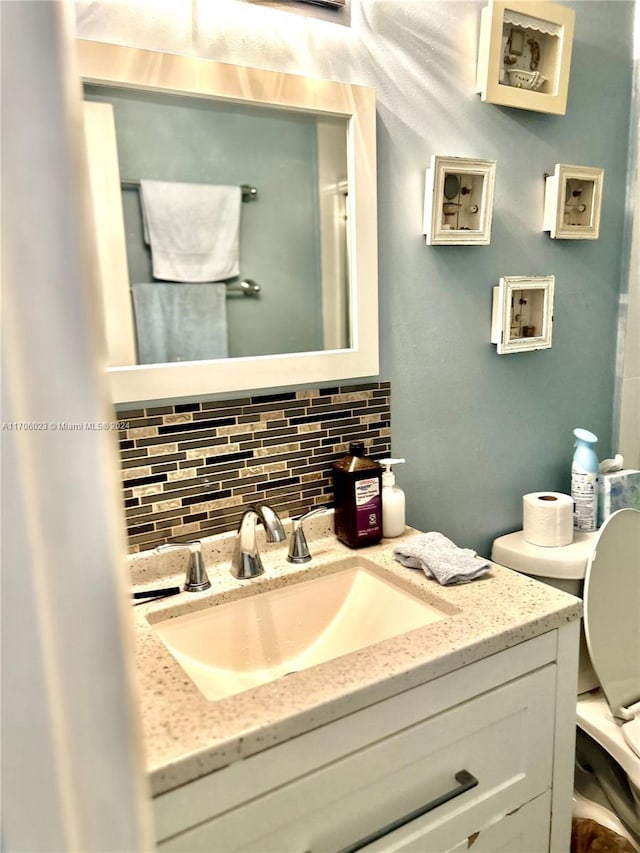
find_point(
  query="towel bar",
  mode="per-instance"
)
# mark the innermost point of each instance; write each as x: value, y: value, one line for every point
x: 248, y: 193
x: 248, y: 287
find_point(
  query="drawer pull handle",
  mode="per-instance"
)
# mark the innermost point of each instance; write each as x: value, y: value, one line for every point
x: 465, y: 782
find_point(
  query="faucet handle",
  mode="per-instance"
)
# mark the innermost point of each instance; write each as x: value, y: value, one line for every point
x: 196, y: 578
x: 298, y: 548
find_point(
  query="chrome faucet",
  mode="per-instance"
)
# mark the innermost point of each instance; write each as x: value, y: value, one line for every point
x: 246, y: 562
x: 298, y: 548
x: 196, y: 578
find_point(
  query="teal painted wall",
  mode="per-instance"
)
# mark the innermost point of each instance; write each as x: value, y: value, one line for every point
x: 478, y: 430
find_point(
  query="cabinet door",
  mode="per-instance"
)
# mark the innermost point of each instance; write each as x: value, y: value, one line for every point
x: 249, y: 778
x: 502, y: 738
x: 521, y: 831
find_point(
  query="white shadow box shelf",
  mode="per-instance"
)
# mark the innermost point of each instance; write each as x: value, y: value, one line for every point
x: 524, y: 55
x: 572, y: 202
x: 458, y: 201
x: 522, y: 313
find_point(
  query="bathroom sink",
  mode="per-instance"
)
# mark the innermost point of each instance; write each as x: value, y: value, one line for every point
x: 240, y: 644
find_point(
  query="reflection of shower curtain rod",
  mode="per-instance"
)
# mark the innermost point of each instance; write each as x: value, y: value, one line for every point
x: 248, y: 193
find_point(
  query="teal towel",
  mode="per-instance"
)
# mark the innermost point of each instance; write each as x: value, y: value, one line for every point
x: 180, y: 322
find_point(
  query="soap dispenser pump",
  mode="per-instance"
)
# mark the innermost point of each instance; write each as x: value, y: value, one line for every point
x: 393, y: 502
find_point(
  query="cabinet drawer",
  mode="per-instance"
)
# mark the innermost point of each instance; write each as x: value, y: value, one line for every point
x: 521, y: 831
x: 503, y: 738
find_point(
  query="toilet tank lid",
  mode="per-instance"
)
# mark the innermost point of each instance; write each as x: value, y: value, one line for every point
x: 568, y: 562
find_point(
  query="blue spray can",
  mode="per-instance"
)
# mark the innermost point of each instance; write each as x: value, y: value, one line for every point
x: 584, y: 477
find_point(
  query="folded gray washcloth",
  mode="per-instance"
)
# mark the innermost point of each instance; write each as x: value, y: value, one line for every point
x: 440, y: 558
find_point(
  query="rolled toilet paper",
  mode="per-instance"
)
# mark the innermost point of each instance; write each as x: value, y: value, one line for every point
x: 547, y: 519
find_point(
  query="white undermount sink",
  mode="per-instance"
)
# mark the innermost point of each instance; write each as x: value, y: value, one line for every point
x: 240, y: 644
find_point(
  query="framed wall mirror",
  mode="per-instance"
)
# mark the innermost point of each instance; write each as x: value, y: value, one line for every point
x: 285, y: 168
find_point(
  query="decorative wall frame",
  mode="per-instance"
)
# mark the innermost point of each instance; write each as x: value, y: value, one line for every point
x: 522, y: 313
x: 334, y: 11
x: 458, y: 201
x: 572, y: 202
x: 524, y: 54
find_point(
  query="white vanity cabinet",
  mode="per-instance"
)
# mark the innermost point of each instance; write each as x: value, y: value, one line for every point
x: 480, y: 757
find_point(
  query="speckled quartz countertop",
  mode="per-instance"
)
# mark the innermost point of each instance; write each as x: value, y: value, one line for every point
x: 187, y: 736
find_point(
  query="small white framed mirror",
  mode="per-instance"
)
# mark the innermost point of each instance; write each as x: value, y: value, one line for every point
x: 458, y: 201
x: 572, y: 202
x: 522, y: 313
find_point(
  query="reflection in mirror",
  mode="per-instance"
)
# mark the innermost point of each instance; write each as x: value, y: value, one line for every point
x: 292, y: 229
x: 159, y: 124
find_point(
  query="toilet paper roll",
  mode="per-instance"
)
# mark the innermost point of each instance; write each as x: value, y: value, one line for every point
x: 547, y: 519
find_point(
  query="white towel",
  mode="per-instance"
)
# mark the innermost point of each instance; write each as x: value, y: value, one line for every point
x: 193, y: 230
x: 180, y: 322
x: 440, y: 558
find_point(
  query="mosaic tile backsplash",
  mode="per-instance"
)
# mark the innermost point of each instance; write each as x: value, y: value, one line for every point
x: 190, y: 470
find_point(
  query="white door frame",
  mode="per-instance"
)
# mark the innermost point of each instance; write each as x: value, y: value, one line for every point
x: 72, y: 766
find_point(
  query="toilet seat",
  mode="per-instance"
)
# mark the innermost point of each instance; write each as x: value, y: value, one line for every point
x: 612, y: 629
x: 612, y: 610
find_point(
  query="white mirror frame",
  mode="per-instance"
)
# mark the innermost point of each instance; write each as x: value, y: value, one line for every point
x: 555, y: 202
x: 503, y: 295
x: 434, y: 199
x: 106, y: 64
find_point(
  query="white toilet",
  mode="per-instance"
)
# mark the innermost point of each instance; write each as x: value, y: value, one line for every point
x: 603, y: 568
